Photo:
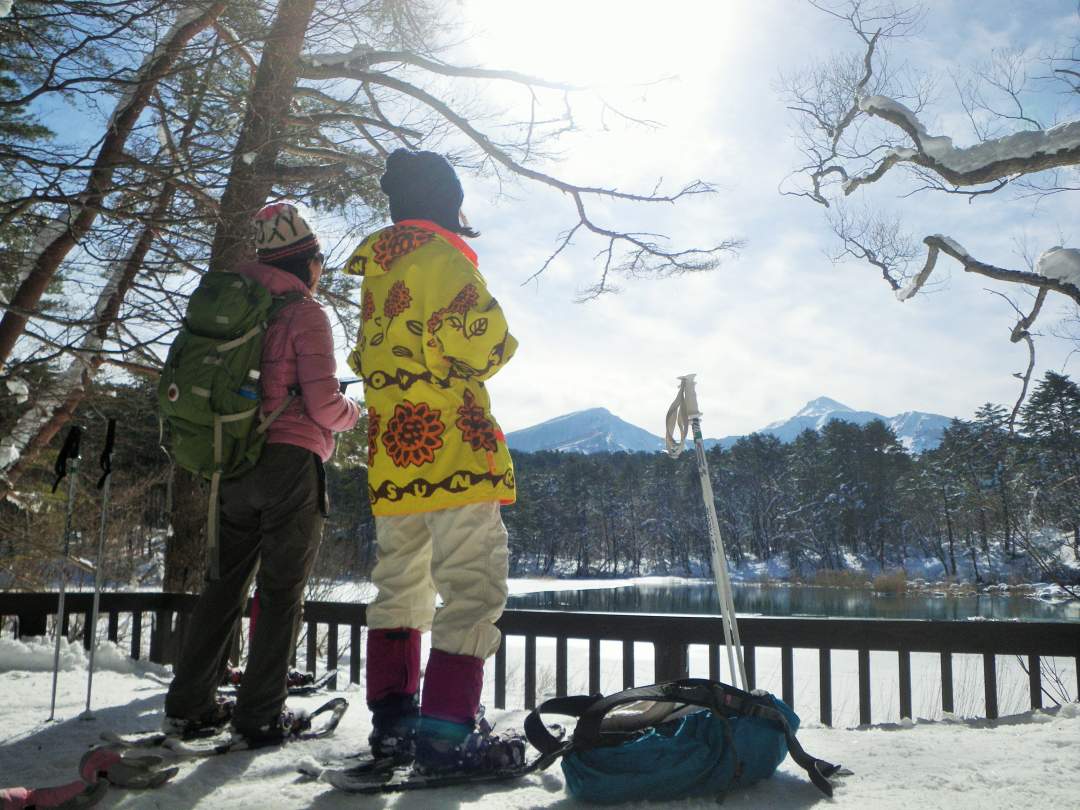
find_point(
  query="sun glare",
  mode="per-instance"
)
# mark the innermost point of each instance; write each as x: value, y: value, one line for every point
x: 595, y: 42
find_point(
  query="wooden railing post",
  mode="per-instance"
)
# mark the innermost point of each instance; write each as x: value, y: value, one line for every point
x: 332, y: 651
x: 672, y: 661
x: 787, y: 676
x: 500, y: 675
x: 864, y: 687
x: 750, y: 662
x: 32, y: 624
x: 355, y: 644
x: 312, y: 647
x: 825, y: 685
x: 560, y: 666
x: 530, y: 672
x: 905, y: 685
x: 136, y: 634
x: 990, y: 685
x: 594, y: 666
x: 1035, y: 681
x: 161, y: 636
x: 946, y: 683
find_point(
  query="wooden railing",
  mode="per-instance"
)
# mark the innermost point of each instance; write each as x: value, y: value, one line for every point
x: 670, y: 636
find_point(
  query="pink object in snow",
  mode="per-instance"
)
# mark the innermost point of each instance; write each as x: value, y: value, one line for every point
x: 452, y: 685
x: 393, y: 662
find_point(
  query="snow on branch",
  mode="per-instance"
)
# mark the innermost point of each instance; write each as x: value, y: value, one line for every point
x: 1058, y: 269
x: 995, y: 159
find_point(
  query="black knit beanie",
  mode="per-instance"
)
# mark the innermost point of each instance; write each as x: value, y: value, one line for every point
x: 423, y: 185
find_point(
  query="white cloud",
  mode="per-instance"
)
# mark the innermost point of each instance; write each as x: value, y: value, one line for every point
x: 776, y: 327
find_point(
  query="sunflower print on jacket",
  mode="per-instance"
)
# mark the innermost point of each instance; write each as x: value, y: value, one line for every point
x: 430, y: 334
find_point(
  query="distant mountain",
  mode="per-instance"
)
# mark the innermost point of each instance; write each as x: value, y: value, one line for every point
x: 598, y: 430
x: 916, y: 431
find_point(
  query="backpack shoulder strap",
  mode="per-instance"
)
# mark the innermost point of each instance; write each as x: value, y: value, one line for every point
x: 280, y: 302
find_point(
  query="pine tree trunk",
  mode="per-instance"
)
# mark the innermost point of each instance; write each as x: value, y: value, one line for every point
x: 250, y: 183
x: 251, y: 177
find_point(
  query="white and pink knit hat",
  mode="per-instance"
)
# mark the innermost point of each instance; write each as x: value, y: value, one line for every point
x: 280, y: 231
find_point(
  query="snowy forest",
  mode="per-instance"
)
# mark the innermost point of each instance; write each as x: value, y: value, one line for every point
x: 848, y: 496
x: 990, y: 504
x: 137, y: 139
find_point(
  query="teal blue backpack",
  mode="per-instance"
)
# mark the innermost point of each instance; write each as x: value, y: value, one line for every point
x: 669, y: 741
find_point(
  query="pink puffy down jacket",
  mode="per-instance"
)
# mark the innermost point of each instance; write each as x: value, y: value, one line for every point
x: 299, y: 350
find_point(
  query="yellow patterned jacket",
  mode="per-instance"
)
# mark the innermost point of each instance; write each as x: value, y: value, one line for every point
x: 430, y: 334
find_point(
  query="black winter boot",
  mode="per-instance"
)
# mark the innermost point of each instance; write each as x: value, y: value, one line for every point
x: 393, y: 727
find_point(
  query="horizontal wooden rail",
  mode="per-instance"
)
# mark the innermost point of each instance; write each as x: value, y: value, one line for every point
x: 669, y: 634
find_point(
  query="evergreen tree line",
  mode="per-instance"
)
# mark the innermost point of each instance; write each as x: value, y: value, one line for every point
x: 988, y: 503
x: 986, y: 499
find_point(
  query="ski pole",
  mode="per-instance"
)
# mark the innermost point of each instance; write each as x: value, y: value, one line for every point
x: 102, y: 484
x: 69, y: 452
x: 683, y: 409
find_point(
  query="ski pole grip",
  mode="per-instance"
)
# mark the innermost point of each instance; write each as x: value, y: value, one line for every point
x: 106, y: 454
x: 70, y: 450
x: 690, y: 396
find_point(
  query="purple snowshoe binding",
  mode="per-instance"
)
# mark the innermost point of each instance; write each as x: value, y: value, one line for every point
x: 445, y: 748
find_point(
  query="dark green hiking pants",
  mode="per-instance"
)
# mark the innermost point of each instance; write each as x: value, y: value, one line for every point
x: 270, y: 517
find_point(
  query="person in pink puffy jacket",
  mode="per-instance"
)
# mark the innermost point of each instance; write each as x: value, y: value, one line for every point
x: 271, y: 517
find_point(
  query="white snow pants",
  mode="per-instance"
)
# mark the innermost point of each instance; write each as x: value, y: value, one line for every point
x: 459, y: 553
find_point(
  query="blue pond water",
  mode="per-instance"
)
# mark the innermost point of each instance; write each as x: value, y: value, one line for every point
x: 798, y: 600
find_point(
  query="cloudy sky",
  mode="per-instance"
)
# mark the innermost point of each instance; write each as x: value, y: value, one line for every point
x: 779, y: 324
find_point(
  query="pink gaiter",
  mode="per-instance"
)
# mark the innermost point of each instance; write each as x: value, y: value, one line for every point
x: 393, y: 663
x: 452, y: 685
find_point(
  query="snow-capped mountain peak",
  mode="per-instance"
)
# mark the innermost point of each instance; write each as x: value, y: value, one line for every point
x: 596, y: 430
x: 822, y: 406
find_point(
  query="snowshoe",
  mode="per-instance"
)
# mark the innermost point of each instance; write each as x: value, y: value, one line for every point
x: 480, y: 751
x: 297, y: 727
x: 496, y: 759
x: 298, y: 683
x: 108, y: 764
x: 213, y: 721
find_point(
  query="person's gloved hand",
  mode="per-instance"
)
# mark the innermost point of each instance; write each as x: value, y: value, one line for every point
x: 71, y: 796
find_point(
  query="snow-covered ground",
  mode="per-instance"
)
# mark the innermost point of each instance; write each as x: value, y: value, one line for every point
x: 1023, y: 761
x: 1027, y: 759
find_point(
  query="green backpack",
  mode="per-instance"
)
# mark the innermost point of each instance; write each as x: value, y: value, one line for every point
x: 209, y: 390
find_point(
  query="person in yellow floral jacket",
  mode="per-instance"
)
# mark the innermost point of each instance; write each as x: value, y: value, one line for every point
x: 438, y: 470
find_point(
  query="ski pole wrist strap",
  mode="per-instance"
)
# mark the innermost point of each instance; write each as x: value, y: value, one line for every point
x: 106, y: 455
x: 69, y: 452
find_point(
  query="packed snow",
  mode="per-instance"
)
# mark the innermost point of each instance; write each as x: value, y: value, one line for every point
x: 1020, y: 145
x: 18, y: 389
x: 1061, y: 263
x: 1022, y: 761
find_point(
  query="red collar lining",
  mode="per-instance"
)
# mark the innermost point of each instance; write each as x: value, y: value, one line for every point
x: 449, y: 236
